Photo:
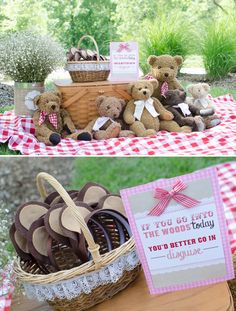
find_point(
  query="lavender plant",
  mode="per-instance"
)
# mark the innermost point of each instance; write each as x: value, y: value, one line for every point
x: 29, y: 57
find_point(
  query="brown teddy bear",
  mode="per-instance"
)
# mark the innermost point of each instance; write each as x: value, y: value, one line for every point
x: 143, y: 112
x: 200, y: 101
x: 164, y: 69
x: 184, y: 113
x: 109, y: 124
x: 52, y: 122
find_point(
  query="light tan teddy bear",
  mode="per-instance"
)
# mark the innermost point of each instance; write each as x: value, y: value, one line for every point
x: 145, y: 114
x: 200, y: 101
x: 109, y: 123
x: 164, y: 69
x: 52, y: 122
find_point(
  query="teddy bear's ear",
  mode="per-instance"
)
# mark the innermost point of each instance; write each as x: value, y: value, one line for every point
x: 154, y: 83
x: 179, y: 60
x: 57, y: 93
x: 151, y: 59
x: 206, y: 87
x: 190, y: 88
x: 36, y: 99
x: 123, y: 103
x: 130, y: 88
x: 100, y: 100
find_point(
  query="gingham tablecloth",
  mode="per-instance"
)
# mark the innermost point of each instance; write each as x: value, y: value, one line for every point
x: 221, y: 140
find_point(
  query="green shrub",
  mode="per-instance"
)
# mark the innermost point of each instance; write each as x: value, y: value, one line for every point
x: 167, y: 34
x: 219, y: 49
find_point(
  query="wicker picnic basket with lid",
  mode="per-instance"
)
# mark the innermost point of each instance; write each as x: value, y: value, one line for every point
x: 84, y: 286
x: 89, y: 71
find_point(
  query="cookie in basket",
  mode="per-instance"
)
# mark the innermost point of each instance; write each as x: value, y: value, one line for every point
x: 91, y: 193
x: 27, y: 213
x: 54, y: 197
x: 112, y: 202
x: 70, y: 229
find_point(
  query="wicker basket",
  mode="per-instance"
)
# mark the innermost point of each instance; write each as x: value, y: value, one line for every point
x: 31, y: 277
x: 89, y: 71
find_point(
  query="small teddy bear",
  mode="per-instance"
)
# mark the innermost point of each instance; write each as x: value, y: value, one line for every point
x: 184, y: 113
x: 200, y: 101
x: 52, y: 122
x: 143, y: 111
x: 164, y: 69
x: 109, y: 124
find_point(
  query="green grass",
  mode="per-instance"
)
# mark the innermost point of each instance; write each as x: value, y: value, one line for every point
x: 4, y: 150
x: 119, y: 173
x: 219, y: 49
x: 167, y: 34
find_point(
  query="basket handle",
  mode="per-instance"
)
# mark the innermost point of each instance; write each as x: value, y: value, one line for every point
x: 94, y: 41
x: 92, y: 246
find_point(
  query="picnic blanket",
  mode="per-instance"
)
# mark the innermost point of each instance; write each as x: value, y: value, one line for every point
x: 221, y: 140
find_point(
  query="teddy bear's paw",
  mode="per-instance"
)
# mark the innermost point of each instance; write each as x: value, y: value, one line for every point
x: 127, y: 133
x: 168, y: 116
x: 54, y: 139
x: 114, y: 130
x: 186, y: 129
x: 207, y: 112
x: 215, y: 122
x: 86, y: 136
x: 149, y: 132
x: 189, y: 121
x: 200, y: 125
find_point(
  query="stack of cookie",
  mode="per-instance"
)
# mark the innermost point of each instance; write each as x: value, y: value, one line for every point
x: 78, y: 54
x: 47, y: 234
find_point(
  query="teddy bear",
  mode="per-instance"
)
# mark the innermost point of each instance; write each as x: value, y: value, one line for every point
x: 200, y: 101
x: 164, y: 69
x: 145, y: 114
x: 184, y: 113
x: 52, y: 123
x: 109, y: 124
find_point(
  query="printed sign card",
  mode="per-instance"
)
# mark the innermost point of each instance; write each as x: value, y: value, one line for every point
x: 124, y: 61
x: 180, y: 231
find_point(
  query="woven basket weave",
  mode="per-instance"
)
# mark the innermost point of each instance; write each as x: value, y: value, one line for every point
x: 27, y: 274
x: 89, y: 71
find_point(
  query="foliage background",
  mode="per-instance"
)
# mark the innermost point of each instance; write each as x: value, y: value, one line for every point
x: 106, y: 20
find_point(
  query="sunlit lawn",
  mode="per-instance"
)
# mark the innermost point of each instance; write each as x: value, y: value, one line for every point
x: 118, y: 173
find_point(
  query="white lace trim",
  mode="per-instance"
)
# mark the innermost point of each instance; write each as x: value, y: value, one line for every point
x: 72, y: 288
x: 88, y: 66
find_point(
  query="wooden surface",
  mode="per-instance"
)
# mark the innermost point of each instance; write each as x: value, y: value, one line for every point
x: 69, y: 82
x: 137, y: 298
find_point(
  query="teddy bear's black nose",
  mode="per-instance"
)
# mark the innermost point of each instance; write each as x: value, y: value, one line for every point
x: 53, y: 107
x: 166, y: 74
x: 144, y: 93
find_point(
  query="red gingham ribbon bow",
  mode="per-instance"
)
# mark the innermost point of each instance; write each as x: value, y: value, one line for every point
x: 124, y: 46
x: 165, y: 196
x: 52, y: 117
x: 164, y: 89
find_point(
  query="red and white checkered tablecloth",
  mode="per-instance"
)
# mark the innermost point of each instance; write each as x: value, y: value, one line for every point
x: 227, y: 181
x: 221, y: 140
